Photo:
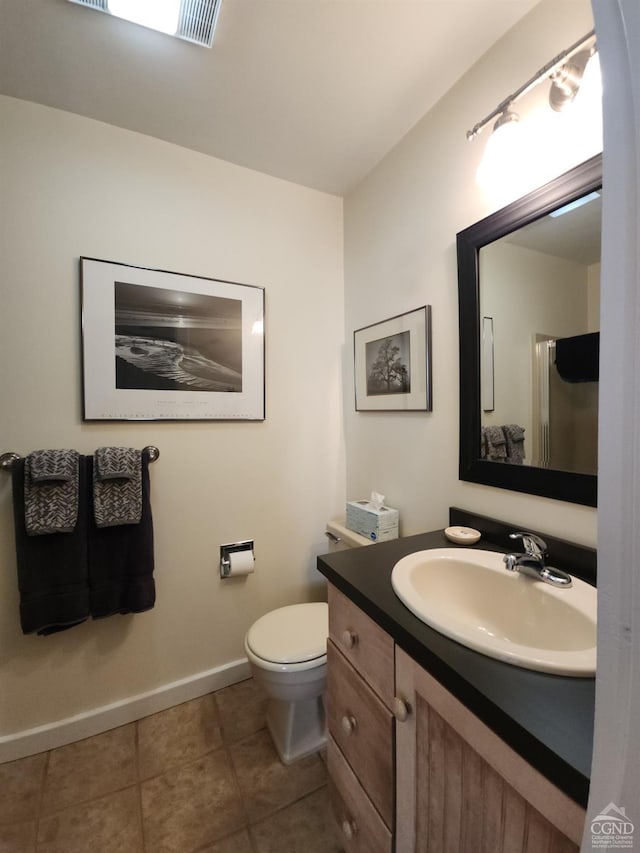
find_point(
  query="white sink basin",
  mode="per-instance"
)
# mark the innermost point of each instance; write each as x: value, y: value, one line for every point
x: 471, y: 597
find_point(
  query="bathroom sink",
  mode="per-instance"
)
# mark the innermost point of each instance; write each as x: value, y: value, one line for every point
x: 470, y: 597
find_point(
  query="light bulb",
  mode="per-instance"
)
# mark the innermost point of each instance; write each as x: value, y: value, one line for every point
x: 591, y: 85
x: 502, y: 159
x: 586, y: 111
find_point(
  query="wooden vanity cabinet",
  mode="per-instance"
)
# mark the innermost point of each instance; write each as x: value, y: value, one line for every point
x: 434, y: 778
x: 368, y: 648
x: 360, y: 751
x: 359, y: 827
x: 461, y: 789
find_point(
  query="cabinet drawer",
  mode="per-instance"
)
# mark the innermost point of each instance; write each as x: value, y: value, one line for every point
x: 363, y: 729
x: 365, y: 645
x: 359, y: 826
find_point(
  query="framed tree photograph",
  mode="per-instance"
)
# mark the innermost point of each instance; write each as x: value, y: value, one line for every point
x: 392, y: 363
x: 160, y: 345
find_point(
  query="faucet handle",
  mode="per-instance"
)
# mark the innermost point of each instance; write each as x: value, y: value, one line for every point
x: 533, y: 545
x: 510, y: 562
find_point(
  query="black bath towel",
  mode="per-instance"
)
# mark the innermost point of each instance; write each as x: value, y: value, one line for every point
x: 52, y: 568
x: 121, y: 559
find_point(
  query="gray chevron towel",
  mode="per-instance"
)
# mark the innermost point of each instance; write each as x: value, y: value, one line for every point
x: 117, y: 486
x: 53, y: 465
x: 51, y: 491
x: 496, y: 443
x: 514, y: 435
x: 117, y: 463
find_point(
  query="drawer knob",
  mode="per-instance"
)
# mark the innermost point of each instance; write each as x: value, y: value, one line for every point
x: 349, y: 724
x: 349, y: 638
x: 349, y: 828
x: 401, y: 709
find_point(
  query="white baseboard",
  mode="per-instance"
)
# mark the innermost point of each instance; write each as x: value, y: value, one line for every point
x: 61, y: 732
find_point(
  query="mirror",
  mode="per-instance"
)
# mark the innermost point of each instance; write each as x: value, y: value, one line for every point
x: 528, y: 283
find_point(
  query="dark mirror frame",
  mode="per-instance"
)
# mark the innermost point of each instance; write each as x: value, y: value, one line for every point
x: 550, y: 483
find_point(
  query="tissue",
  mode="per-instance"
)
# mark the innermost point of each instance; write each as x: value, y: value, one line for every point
x: 377, y: 501
x: 240, y: 563
x: 373, y: 519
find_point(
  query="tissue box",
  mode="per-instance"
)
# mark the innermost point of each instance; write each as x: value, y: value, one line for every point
x: 376, y: 524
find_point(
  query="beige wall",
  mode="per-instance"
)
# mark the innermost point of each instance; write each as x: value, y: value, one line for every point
x: 72, y: 187
x: 400, y: 231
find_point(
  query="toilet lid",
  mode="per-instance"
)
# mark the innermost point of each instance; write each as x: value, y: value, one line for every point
x: 291, y: 634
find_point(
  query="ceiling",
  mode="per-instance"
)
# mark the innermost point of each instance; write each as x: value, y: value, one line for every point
x: 575, y: 236
x: 312, y: 91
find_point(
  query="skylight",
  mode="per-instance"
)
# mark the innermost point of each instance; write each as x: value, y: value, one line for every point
x: 160, y: 15
x: 192, y: 20
x: 585, y: 199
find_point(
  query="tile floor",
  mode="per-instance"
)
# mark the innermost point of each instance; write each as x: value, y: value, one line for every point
x: 202, y: 777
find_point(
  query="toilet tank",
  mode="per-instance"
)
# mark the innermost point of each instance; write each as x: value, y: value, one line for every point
x: 340, y: 538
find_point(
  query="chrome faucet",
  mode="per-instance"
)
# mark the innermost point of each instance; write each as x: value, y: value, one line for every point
x: 532, y: 562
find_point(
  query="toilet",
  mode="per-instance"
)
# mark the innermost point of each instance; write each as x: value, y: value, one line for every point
x: 287, y: 652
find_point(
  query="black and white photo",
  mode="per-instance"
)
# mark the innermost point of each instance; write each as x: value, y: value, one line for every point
x: 389, y: 365
x: 168, y: 340
x: 392, y: 363
x: 160, y: 345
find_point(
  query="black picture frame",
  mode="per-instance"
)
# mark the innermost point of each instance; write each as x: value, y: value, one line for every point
x: 568, y: 486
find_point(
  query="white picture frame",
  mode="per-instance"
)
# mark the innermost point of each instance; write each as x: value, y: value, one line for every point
x: 392, y: 363
x: 160, y: 345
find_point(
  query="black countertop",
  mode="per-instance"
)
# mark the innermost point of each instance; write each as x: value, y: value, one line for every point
x: 547, y: 719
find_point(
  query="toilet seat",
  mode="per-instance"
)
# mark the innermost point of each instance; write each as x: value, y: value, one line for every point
x: 291, y: 638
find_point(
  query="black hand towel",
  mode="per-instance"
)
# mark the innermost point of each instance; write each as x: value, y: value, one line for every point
x: 121, y: 559
x: 52, y: 568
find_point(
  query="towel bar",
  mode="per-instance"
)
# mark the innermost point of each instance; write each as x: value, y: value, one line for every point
x: 7, y: 459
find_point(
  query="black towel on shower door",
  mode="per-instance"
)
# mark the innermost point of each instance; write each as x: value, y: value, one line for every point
x: 121, y: 559
x: 52, y: 568
x: 578, y: 357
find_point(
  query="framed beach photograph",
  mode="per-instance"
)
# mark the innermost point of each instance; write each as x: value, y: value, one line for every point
x: 160, y: 345
x: 392, y: 363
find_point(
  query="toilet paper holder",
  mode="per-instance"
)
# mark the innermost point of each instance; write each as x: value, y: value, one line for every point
x: 232, y: 548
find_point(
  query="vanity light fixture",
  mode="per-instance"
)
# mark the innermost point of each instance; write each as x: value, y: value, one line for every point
x: 191, y: 20
x: 565, y: 71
